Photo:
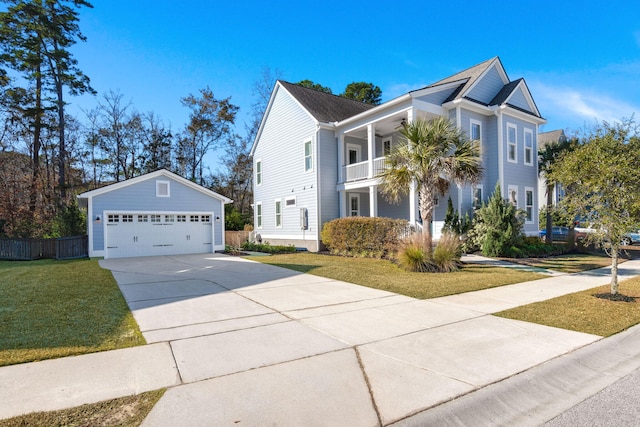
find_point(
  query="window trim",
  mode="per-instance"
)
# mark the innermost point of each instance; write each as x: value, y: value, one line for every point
x: 357, y: 149
x: 473, y: 122
x: 278, y: 213
x: 310, y: 156
x: 258, y: 172
x: 528, y: 132
x: 259, y: 215
x: 514, y: 143
x: 475, y: 205
x: 527, y: 206
x: 351, y: 197
x: 160, y: 183
x: 509, y: 189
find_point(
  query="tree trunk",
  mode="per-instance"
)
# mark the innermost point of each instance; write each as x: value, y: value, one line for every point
x: 426, y: 213
x: 62, y: 182
x: 549, y: 225
x: 614, y: 269
x: 37, y: 126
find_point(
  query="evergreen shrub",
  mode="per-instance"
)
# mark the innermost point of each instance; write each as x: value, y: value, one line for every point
x: 363, y: 236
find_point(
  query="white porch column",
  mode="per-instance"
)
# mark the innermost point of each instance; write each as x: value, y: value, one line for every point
x: 412, y: 203
x: 342, y: 202
x: 371, y: 144
x: 373, y: 200
x: 341, y: 157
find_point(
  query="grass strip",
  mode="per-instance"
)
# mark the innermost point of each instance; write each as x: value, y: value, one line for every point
x: 583, y: 312
x: 54, y: 308
x: 125, y: 411
x: 385, y: 275
x: 569, y: 263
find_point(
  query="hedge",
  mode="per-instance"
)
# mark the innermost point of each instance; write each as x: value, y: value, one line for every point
x: 364, y: 236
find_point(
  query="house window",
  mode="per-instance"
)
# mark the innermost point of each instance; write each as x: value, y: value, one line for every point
x: 512, y: 195
x: 278, y: 213
x: 143, y: 218
x: 127, y: 218
x: 386, y: 147
x: 528, y: 147
x: 290, y: 202
x: 170, y: 218
x: 477, y: 197
x: 512, y: 144
x: 354, y: 205
x: 259, y: 172
x: 162, y: 188
x: 113, y: 218
x: 156, y: 218
x: 528, y: 196
x: 181, y: 218
x: 476, y: 133
x: 353, y: 154
x: 436, y: 202
x: 308, y: 156
x: 259, y: 215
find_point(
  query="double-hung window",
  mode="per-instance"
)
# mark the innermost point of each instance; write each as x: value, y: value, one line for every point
x: 528, y: 147
x: 278, y: 213
x: 259, y: 172
x: 512, y: 143
x: 308, y: 156
x: 259, y: 215
x: 477, y: 197
x: 528, y: 196
x: 475, y: 133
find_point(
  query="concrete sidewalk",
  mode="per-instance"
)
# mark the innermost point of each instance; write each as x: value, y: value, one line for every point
x: 243, y: 342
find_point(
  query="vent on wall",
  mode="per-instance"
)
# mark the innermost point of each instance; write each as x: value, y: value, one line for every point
x: 162, y: 189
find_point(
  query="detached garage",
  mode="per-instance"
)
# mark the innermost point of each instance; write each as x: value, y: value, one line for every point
x: 159, y: 213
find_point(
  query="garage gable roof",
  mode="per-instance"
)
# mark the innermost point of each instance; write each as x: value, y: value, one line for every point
x: 157, y: 174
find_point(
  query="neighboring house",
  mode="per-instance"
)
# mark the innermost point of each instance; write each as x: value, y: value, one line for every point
x: 316, y: 156
x: 159, y: 213
x: 544, y: 139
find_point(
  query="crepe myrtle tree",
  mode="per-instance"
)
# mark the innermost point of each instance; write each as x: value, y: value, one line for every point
x: 602, y: 180
x: 431, y: 154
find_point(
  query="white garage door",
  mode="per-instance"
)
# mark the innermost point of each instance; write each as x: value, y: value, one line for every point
x: 129, y: 234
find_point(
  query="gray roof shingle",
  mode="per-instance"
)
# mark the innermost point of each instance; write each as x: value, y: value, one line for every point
x: 325, y: 107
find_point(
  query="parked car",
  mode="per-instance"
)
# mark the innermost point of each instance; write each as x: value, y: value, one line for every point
x: 631, y: 238
x: 557, y: 234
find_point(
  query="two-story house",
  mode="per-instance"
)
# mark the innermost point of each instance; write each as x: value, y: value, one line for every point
x: 316, y: 156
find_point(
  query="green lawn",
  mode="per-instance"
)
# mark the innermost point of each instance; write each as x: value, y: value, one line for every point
x: 53, y: 309
x: 583, y: 312
x: 385, y: 275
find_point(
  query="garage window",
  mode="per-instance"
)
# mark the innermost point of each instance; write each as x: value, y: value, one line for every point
x: 143, y: 218
x: 193, y: 218
x: 181, y: 218
x: 205, y: 218
x: 170, y: 218
x: 127, y: 218
x: 156, y: 218
x: 113, y: 218
x: 162, y: 188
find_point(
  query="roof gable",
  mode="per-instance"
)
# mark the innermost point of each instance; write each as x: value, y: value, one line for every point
x: 516, y: 94
x: 153, y: 175
x: 469, y: 78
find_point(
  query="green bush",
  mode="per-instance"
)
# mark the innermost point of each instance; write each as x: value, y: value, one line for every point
x: 363, y: 236
x: 267, y: 248
x: 497, y: 228
x: 453, y: 222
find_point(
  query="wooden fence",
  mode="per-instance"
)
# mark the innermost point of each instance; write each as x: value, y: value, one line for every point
x: 30, y: 249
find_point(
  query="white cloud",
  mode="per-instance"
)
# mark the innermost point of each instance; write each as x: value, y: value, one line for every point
x: 569, y: 107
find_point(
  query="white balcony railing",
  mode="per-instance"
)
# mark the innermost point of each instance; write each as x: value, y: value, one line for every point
x: 358, y: 171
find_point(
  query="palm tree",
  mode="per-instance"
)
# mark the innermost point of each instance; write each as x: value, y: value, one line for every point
x: 547, y: 157
x: 432, y: 153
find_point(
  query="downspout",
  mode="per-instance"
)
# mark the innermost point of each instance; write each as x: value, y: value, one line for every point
x: 317, y: 177
x: 459, y: 123
x: 500, y: 154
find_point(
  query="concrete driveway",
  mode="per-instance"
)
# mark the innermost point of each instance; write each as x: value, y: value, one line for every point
x: 256, y: 344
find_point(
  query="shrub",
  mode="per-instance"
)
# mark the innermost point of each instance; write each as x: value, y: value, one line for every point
x: 363, y: 236
x: 412, y: 255
x: 497, y: 228
x: 453, y: 222
x: 267, y: 248
x: 446, y: 255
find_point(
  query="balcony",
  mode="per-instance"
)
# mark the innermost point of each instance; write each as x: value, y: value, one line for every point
x: 360, y: 171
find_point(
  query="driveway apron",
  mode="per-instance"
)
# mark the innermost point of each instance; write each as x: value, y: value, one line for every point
x: 257, y: 344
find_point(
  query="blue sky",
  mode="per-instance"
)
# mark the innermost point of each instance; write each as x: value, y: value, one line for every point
x: 580, y: 59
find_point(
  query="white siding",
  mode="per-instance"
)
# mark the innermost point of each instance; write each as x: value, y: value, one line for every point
x: 281, y: 150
